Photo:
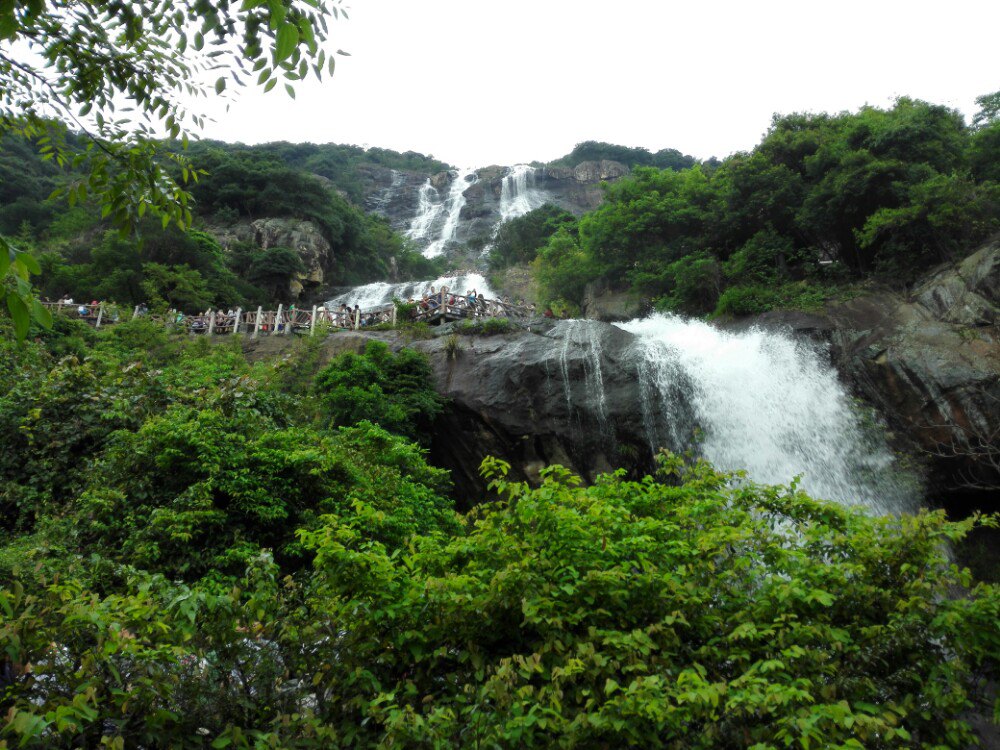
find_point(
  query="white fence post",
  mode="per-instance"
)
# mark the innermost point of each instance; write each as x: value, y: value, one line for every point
x: 100, y: 314
x: 239, y: 320
x: 256, y: 325
x: 312, y: 322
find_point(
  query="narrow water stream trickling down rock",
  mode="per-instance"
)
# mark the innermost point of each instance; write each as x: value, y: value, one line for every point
x: 768, y: 404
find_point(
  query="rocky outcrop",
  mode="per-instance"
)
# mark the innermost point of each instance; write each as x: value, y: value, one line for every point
x: 395, y: 195
x: 601, y: 302
x: 578, y: 190
x: 296, y: 234
x: 529, y: 398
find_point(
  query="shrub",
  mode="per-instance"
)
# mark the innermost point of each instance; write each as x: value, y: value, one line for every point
x: 487, y: 327
x: 393, y: 390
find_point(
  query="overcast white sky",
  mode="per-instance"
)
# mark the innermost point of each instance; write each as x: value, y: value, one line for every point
x: 477, y: 83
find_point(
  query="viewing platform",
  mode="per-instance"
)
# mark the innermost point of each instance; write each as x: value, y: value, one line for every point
x: 441, y: 308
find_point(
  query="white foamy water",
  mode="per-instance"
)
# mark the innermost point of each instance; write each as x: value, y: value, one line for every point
x: 518, y: 194
x: 765, y: 403
x: 429, y: 211
x: 382, y: 293
x: 452, y: 211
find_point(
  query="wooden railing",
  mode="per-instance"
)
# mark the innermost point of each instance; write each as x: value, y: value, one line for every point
x: 439, y: 308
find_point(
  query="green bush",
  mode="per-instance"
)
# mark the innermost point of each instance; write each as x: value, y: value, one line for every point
x: 392, y: 390
x: 487, y: 327
x: 693, y: 612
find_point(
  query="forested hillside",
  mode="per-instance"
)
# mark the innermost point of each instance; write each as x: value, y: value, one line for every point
x: 823, y: 202
x: 82, y: 257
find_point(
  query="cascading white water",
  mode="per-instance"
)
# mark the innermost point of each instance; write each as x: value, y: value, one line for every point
x: 518, y: 194
x: 382, y: 293
x: 452, y: 210
x: 429, y: 211
x: 767, y: 404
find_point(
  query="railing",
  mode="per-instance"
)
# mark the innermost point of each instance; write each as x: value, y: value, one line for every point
x: 440, y: 307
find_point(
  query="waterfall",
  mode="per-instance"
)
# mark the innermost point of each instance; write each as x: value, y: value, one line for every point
x: 429, y: 210
x: 381, y: 293
x: 452, y: 209
x: 518, y: 194
x: 765, y: 403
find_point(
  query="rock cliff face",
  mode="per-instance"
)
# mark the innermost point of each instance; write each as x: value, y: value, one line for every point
x: 395, y: 195
x: 296, y: 234
x: 570, y: 392
x: 931, y: 363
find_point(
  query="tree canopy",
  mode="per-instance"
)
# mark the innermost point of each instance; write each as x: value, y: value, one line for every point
x: 122, y: 76
x: 822, y: 200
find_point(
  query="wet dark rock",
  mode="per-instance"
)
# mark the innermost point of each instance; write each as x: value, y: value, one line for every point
x: 528, y: 397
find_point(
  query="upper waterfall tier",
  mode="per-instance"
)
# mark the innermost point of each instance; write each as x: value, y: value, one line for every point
x: 450, y: 212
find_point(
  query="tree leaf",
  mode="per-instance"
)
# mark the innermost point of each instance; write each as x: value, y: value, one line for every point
x: 29, y: 262
x: 41, y: 314
x: 19, y: 314
x: 285, y: 42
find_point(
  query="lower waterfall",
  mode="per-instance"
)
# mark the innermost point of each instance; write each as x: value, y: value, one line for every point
x: 382, y: 292
x: 768, y: 404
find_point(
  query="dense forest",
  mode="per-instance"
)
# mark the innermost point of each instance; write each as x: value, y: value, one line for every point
x: 197, y: 550
x: 82, y: 256
x: 822, y: 203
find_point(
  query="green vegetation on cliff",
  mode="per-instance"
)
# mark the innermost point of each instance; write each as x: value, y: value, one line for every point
x: 194, y: 550
x: 668, y: 158
x: 84, y: 257
x: 824, y: 200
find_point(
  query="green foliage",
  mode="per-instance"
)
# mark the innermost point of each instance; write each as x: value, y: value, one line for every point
x: 884, y: 193
x: 752, y: 299
x: 91, y: 56
x: 274, y: 268
x: 694, y: 281
x: 562, y: 268
x: 519, y: 240
x: 391, y: 390
x: 667, y: 158
x: 16, y: 267
x: 689, y: 613
x: 485, y: 327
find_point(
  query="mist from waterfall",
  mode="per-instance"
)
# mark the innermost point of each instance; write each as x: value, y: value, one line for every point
x: 765, y: 403
x: 382, y: 293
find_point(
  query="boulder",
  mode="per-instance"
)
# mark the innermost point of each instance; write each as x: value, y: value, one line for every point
x: 531, y: 398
